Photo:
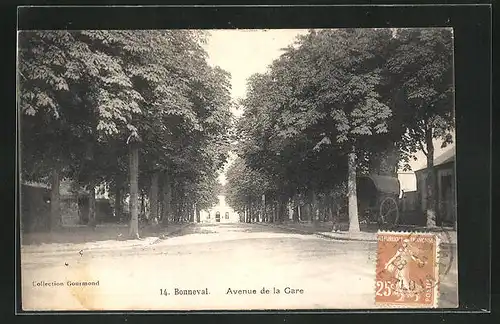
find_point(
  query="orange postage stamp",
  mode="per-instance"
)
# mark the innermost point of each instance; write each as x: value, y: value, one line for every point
x: 407, y: 270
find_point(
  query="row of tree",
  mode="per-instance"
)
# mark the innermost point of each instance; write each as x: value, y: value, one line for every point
x: 141, y: 111
x: 337, y: 104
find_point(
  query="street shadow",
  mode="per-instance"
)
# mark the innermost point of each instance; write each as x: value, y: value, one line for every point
x: 329, y: 226
x: 203, y: 231
x: 214, y: 228
x: 86, y: 234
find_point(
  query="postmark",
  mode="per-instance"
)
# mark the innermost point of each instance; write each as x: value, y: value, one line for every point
x: 407, y: 271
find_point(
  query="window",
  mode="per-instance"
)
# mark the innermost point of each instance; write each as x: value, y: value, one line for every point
x: 227, y: 215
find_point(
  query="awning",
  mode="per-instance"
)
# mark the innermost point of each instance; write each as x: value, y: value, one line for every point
x: 384, y: 184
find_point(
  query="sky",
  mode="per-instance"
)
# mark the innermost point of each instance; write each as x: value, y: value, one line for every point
x: 245, y: 52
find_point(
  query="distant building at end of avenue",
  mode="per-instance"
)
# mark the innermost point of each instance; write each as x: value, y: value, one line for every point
x: 220, y: 213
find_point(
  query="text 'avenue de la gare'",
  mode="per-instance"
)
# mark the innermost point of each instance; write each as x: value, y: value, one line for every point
x: 235, y: 291
x: 265, y: 291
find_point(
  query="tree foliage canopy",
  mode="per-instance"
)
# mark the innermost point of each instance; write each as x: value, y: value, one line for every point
x: 374, y: 89
x: 85, y: 95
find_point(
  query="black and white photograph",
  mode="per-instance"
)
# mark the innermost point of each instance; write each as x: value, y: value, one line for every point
x: 237, y: 169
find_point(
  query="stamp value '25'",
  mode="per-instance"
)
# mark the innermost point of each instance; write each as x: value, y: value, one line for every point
x: 407, y: 270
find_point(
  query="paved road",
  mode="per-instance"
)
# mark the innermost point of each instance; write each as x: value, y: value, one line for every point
x: 215, y: 257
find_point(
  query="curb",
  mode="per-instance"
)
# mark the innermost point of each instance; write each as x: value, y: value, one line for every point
x: 321, y: 235
x: 142, y: 243
x: 334, y: 238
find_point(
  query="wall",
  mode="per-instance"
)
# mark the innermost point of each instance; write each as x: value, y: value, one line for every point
x: 409, y: 201
x: 35, y: 208
x: 446, y: 204
x: 69, y: 211
x: 447, y: 198
x: 104, y: 211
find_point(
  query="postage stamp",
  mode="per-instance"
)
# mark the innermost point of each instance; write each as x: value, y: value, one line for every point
x: 407, y: 270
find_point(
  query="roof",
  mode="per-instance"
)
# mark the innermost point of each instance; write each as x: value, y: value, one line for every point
x: 446, y: 157
x: 385, y: 184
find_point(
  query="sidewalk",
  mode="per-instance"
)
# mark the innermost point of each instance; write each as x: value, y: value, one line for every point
x: 324, y: 230
x: 104, y: 238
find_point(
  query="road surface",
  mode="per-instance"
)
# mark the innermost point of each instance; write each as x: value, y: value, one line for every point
x: 209, y: 260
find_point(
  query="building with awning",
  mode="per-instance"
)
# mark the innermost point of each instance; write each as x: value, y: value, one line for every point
x: 444, y: 166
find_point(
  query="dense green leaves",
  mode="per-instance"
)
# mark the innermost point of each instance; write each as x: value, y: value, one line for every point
x: 318, y: 96
x: 421, y: 69
x: 376, y: 90
x: 86, y: 95
x: 245, y: 184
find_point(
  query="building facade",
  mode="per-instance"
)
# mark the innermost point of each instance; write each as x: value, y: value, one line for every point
x: 74, y: 206
x: 220, y: 213
x: 444, y: 168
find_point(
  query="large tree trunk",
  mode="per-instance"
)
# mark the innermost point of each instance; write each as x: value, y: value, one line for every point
x: 142, y: 212
x: 263, y: 202
x: 431, y: 181
x: 167, y: 199
x: 154, y: 197
x: 178, y: 209
x: 250, y: 211
x: 92, y: 210
x: 304, y: 210
x: 55, y: 201
x: 290, y: 209
x: 134, y: 191
x: 258, y: 210
x: 180, y: 212
x: 269, y: 211
x: 192, y: 212
x: 282, y: 208
x: 315, y: 207
x: 275, y: 211
x: 118, y: 201
x: 325, y: 209
x: 336, y: 217
x: 308, y: 210
x: 330, y: 205
x: 351, y: 192
x: 197, y: 213
x: 279, y: 211
x: 295, y: 214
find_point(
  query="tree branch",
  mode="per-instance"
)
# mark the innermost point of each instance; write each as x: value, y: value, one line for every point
x: 421, y: 145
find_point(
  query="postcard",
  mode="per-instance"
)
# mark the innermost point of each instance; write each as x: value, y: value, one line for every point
x: 263, y: 169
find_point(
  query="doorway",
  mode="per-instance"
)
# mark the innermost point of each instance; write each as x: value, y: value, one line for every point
x: 446, y: 199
